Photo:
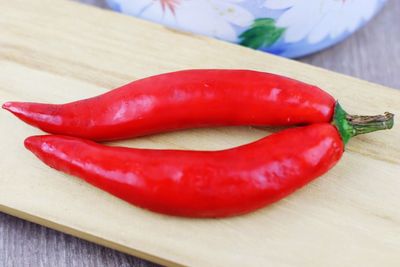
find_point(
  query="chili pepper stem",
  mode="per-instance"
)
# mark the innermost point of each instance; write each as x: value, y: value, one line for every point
x: 352, y: 125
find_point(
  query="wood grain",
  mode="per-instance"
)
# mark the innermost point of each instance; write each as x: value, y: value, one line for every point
x: 355, y: 204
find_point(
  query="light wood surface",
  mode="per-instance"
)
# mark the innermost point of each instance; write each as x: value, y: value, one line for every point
x: 351, y: 216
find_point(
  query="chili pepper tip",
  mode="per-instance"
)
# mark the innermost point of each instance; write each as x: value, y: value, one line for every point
x: 31, y: 142
x: 7, y: 105
x: 13, y: 107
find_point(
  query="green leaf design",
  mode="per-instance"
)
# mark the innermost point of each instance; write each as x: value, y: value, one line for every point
x: 262, y: 33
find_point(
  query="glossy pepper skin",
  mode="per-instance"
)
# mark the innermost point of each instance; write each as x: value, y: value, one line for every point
x: 199, y: 183
x: 183, y: 99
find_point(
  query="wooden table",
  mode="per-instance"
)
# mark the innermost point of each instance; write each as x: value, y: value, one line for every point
x: 371, y: 54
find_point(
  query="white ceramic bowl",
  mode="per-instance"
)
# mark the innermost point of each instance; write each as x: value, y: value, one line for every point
x: 290, y: 28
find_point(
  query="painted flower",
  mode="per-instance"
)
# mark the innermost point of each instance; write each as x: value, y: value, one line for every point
x: 317, y: 19
x: 215, y: 18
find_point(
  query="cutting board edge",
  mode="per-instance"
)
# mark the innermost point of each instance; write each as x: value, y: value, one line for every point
x: 86, y: 236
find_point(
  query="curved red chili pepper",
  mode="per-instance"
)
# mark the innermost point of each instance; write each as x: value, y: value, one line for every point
x: 199, y: 183
x: 184, y: 99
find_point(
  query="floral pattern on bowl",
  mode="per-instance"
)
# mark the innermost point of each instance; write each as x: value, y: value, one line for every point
x: 290, y: 28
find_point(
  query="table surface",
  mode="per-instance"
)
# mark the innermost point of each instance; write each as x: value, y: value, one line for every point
x: 363, y: 55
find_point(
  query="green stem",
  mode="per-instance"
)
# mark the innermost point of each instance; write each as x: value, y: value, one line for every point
x: 352, y: 125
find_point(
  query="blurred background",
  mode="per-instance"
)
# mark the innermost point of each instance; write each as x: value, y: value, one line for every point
x: 371, y: 53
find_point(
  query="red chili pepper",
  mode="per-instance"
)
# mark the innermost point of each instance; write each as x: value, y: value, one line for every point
x: 198, y: 183
x: 184, y: 99
x: 208, y: 183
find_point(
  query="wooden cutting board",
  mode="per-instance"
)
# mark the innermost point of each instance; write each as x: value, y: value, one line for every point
x: 59, y: 51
